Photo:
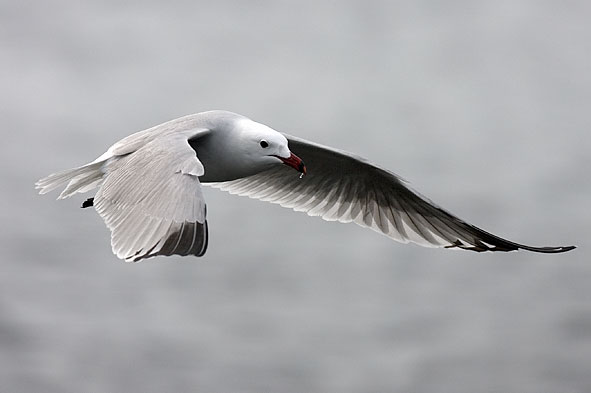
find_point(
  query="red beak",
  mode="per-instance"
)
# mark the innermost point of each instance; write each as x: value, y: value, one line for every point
x: 295, y: 162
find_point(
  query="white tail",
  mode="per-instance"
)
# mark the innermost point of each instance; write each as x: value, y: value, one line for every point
x: 80, y: 179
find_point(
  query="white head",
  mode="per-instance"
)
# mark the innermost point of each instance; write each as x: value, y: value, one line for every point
x: 266, y: 147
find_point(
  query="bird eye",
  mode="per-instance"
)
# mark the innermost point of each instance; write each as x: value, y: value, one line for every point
x: 264, y: 144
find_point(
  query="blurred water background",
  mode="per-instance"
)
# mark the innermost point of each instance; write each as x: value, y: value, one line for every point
x: 483, y: 106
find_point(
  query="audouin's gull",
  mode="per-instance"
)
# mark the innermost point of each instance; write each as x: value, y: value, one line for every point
x: 150, y: 188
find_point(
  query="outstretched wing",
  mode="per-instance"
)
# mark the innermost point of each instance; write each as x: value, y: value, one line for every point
x: 152, y: 201
x: 340, y: 186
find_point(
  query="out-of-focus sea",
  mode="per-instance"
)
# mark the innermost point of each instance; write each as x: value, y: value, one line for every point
x: 483, y: 106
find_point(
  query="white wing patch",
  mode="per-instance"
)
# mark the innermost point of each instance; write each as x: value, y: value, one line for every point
x: 152, y: 201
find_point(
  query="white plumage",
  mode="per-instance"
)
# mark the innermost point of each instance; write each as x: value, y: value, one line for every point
x: 151, y: 199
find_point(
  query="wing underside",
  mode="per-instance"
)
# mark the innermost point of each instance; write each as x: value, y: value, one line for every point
x: 342, y: 187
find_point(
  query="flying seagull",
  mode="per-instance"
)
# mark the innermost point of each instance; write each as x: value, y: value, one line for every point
x: 150, y: 196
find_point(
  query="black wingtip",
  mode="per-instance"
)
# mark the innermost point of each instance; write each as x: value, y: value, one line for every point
x: 505, y: 245
x: 554, y: 250
x: 547, y: 250
x: 485, y: 241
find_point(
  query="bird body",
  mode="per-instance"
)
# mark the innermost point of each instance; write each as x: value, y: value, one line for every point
x: 150, y: 194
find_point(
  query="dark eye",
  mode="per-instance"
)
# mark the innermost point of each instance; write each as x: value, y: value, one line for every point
x: 264, y: 144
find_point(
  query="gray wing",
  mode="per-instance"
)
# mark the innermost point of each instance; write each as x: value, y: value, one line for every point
x: 342, y: 187
x: 152, y: 201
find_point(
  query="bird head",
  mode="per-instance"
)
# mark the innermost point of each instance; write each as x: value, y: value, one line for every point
x: 268, y: 147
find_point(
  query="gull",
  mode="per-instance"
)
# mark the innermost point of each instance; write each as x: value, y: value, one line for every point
x: 150, y: 196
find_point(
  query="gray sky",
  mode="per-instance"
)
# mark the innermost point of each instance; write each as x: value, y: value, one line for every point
x: 482, y: 106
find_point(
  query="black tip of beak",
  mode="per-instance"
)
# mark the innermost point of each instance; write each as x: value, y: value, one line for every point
x: 302, y: 168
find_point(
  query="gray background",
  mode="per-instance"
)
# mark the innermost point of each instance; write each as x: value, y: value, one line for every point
x: 483, y: 106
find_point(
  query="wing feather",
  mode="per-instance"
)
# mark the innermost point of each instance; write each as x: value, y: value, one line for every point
x: 152, y: 201
x: 340, y: 186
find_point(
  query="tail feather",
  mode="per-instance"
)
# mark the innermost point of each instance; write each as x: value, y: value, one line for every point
x: 80, y: 179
